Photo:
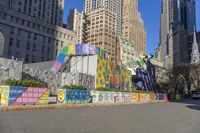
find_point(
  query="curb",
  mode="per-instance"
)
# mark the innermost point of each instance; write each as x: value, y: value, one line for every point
x: 63, y: 106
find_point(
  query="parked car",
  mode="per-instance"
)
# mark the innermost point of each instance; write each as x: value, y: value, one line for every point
x: 196, y: 95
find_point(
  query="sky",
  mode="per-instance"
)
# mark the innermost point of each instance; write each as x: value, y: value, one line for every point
x: 150, y: 10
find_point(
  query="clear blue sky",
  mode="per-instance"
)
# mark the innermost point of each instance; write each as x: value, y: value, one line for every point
x: 150, y: 10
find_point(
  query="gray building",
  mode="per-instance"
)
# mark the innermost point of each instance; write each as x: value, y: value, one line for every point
x: 177, y: 22
x: 50, y: 11
x: 32, y: 29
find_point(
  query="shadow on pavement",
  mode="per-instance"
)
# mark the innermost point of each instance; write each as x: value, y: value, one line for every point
x: 193, y: 107
x: 191, y: 104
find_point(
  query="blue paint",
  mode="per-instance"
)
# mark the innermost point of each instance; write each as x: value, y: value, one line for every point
x: 15, y: 92
x: 78, y: 96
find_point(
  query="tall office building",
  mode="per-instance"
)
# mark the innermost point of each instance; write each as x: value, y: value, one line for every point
x: 177, y: 23
x: 102, y: 30
x: 75, y: 23
x: 103, y: 25
x: 32, y: 29
x: 114, y: 6
x: 133, y: 25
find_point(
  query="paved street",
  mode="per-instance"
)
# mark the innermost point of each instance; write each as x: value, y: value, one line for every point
x: 150, y: 118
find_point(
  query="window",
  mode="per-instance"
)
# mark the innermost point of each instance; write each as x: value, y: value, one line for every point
x: 35, y: 36
x: 28, y: 46
x: 29, y: 35
x: 34, y: 47
x: 11, y: 42
x: 19, y: 32
x: 18, y: 44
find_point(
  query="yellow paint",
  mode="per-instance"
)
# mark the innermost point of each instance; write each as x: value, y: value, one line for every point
x: 135, y: 97
x: 4, y: 92
x: 61, y: 96
x: 111, y: 75
x: 44, y: 99
x: 71, y: 49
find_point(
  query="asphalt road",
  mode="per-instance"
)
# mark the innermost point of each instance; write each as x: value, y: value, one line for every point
x: 149, y: 118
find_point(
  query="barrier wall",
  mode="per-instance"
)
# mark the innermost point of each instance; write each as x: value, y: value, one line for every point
x: 104, y: 97
x: 16, y: 95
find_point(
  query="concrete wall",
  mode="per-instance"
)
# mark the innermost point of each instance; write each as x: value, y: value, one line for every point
x: 10, y: 69
x: 40, y: 71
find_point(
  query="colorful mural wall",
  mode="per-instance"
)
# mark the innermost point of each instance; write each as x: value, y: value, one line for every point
x: 73, y: 96
x: 16, y: 95
x: 106, y: 97
x: 112, y: 76
x: 79, y: 49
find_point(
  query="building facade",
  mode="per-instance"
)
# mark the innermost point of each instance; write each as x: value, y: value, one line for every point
x: 114, y: 6
x: 177, y: 23
x: 75, y: 23
x: 31, y: 37
x: 102, y: 30
x: 133, y: 25
x: 50, y: 11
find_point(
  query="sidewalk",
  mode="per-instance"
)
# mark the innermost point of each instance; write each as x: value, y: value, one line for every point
x: 60, y: 106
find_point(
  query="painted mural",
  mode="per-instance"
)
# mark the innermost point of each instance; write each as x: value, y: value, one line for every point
x: 77, y: 96
x: 103, y: 97
x: 61, y: 96
x: 142, y: 97
x: 112, y: 76
x: 160, y: 96
x: 135, y: 97
x: 28, y: 95
x: 152, y: 97
x: 4, y: 94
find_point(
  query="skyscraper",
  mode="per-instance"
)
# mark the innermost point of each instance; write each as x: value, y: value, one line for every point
x: 133, y: 25
x: 114, y: 6
x: 75, y: 23
x: 32, y: 29
x: 102, y: 30
x: 103, y: 25
x: 177, y: 22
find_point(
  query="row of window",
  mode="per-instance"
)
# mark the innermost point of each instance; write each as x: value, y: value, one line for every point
x: 37, y: 27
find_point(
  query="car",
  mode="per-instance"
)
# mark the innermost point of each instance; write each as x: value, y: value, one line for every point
x: 196, y: 95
